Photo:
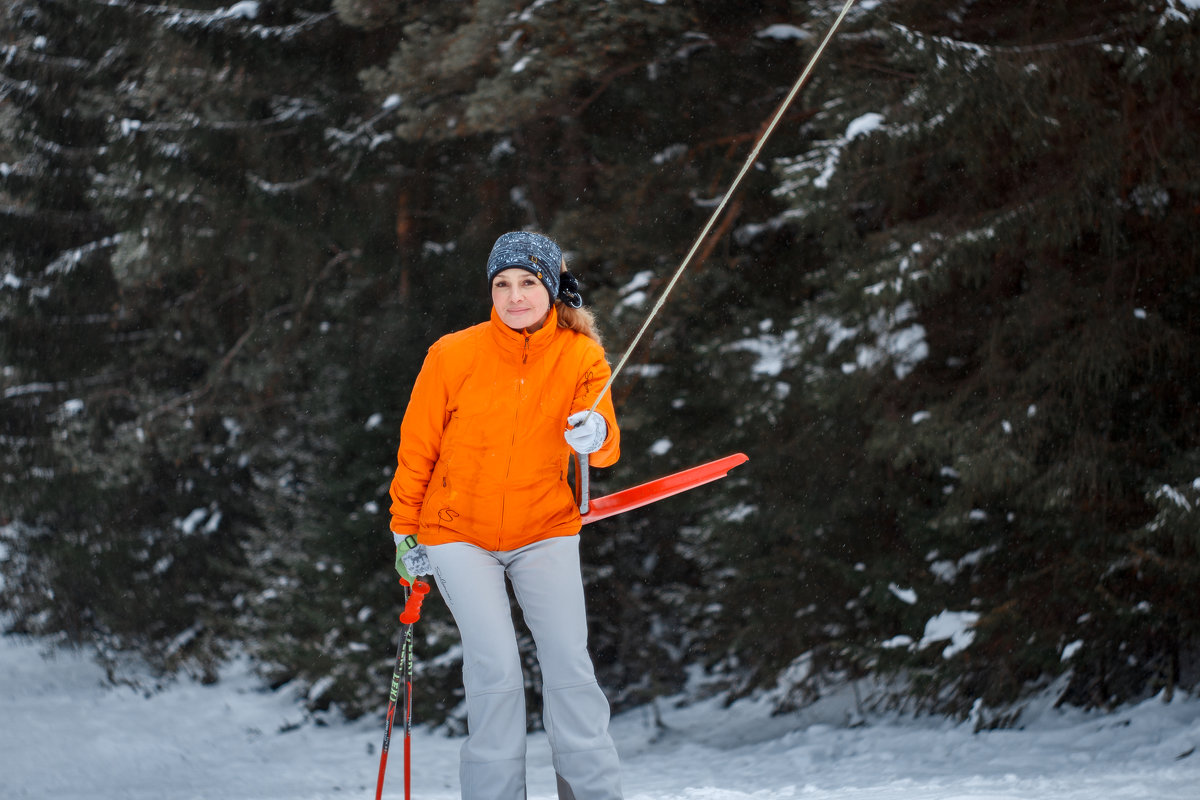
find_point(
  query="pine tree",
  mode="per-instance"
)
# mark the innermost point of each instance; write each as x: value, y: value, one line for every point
x: 190, y: 235
x: 995, y: 356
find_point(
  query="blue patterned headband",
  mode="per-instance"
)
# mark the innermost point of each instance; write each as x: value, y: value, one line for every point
x: 539, y: 255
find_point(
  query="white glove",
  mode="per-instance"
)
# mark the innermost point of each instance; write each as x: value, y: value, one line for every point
x: 588, y: 431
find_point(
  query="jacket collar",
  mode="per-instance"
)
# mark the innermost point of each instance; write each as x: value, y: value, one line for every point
x: 516, y: 340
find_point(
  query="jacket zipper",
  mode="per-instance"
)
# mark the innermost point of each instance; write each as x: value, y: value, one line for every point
x: 512, y: 444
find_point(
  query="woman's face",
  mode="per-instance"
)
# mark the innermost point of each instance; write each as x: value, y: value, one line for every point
x: 520, y: 299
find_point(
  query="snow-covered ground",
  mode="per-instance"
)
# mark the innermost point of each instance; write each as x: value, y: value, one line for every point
x: 65, y: 734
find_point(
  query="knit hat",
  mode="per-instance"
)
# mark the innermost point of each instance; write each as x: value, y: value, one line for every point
x: 541, y: 256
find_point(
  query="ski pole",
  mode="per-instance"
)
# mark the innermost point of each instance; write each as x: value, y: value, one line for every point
x: 411, y: 613
x: 409, y: 617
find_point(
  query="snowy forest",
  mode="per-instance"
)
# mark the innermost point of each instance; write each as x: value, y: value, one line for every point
x: 952, y: 316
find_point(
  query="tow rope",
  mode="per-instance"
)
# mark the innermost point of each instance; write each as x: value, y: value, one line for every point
x: 712, y: 220
x: 581, y: 475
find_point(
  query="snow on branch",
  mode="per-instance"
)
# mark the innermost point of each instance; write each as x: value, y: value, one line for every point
x: 283, y: 187
x: 365, y: 134
x: 1180, y: 10
x: 1175, y: 496
x: 8, y: 86
x: 817, y: 167
x: 230, y: 20
x: 16, y: 53
x: 901, y: 347
x: 976, y: 53
x: 774, y: 352
x: 20, y: 169
x: 286, y: 111
x: 51, y: 147
x: 43, y: 387
x: 1176, y: 506
x: 993, y: 229
x: 69, y: 259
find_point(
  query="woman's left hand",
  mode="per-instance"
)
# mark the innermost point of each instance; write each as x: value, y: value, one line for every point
x: 412, y: 561
x: 588, y: 431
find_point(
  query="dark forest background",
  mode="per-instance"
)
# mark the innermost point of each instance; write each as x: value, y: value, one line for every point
x: 951, y: 316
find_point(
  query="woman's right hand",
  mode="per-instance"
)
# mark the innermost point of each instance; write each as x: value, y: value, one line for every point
x: 588, y: 431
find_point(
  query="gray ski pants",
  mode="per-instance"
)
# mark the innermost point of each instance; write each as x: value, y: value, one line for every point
x: 548, y: 586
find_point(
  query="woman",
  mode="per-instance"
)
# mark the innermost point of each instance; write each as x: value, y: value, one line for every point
x: 480, y: 493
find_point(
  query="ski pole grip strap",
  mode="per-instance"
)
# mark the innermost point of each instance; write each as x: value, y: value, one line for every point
x: 412, y: 607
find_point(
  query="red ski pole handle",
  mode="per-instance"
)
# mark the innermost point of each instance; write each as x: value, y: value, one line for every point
x: 412, y: 606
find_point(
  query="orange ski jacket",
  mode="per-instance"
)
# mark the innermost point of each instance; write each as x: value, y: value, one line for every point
x: 482, y: 457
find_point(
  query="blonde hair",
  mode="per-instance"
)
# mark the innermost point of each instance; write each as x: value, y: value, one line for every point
x: 580, y: 320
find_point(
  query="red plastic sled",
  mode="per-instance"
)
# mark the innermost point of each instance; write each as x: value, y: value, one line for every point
x: 647, y: 493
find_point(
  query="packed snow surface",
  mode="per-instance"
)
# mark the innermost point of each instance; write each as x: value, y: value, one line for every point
x: 68, y: 734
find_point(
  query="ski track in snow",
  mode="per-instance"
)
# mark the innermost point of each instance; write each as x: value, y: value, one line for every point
x: 66, y: 734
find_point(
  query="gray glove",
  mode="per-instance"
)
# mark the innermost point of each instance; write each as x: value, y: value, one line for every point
x: 588, y: 431
x: 411, y: 559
